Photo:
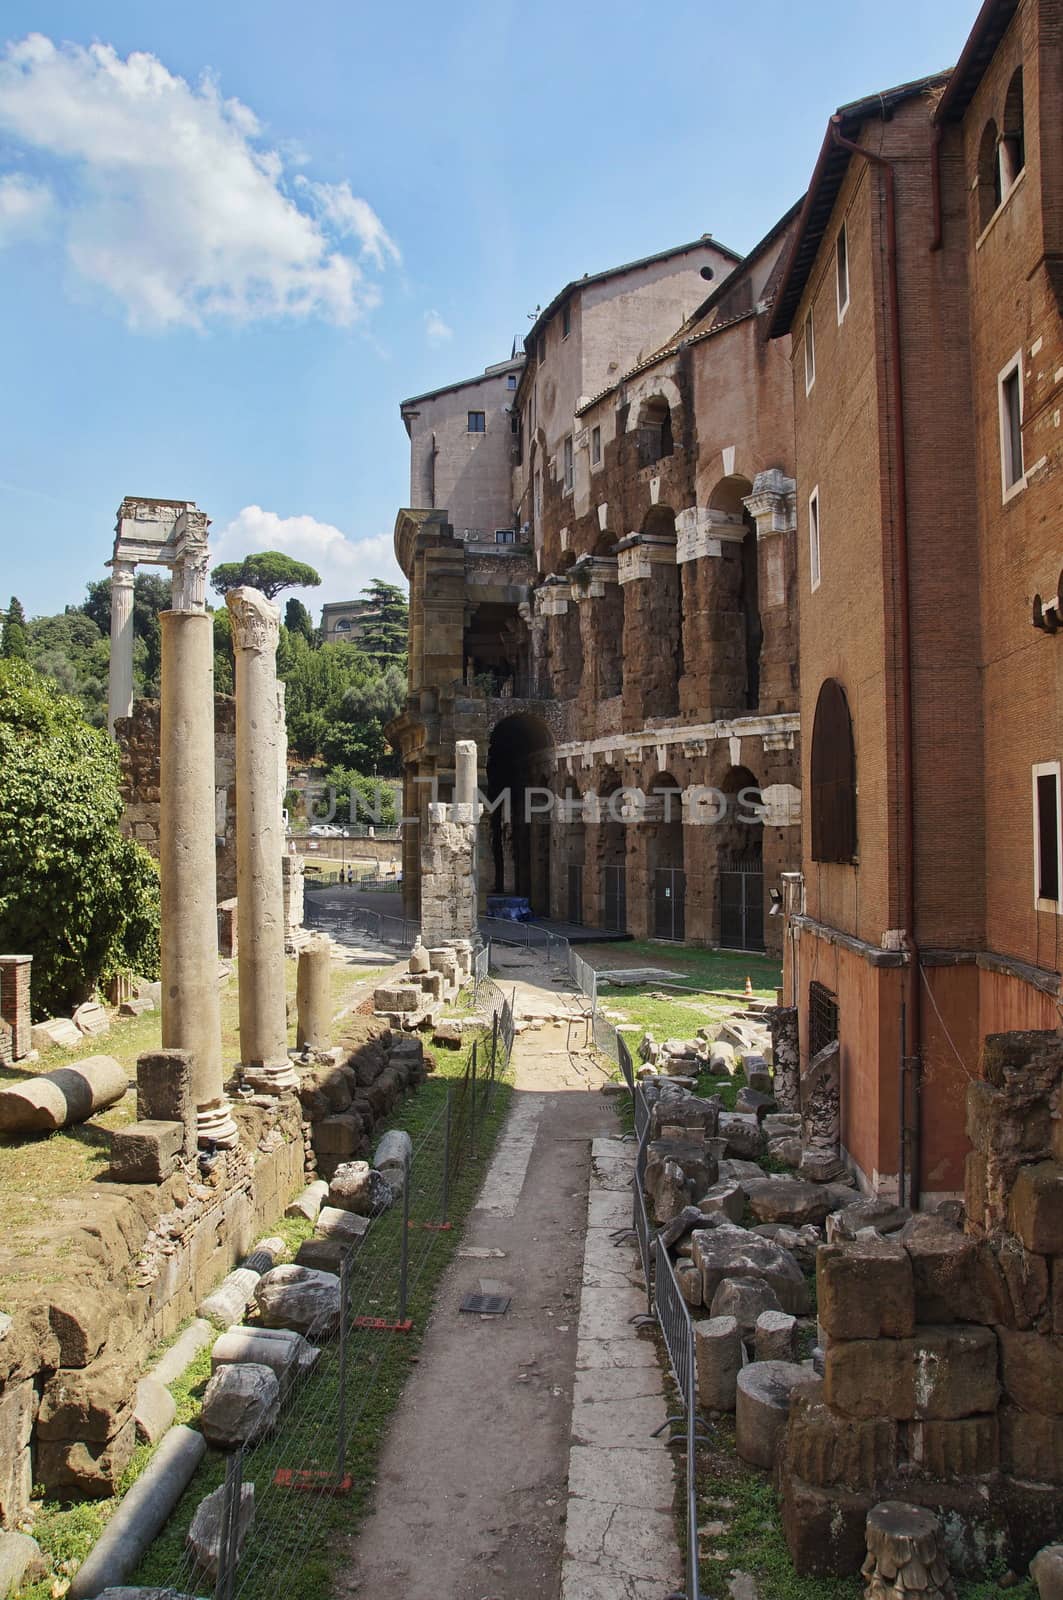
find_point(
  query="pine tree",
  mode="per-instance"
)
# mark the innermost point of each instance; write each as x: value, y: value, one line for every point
x: 13, y: 646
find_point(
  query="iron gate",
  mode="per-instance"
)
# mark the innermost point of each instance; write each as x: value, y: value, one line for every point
x: 669, y: 903
x: 614, y: 899
x: 575, y: 894
x: 822, y: 1018
x: 742, y: 904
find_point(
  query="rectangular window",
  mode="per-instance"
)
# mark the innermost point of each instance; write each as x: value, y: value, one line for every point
x: 596, y: 446
x: 505, y: 536
x: 566, y: 322
x: 568, y: 463
x: 477, y: 422
x: 537, y: 499
x: 810, y: 353
x: 1010, y: 393
x: 842, y: 264
x: 813, y: 537
x: 511, y: 380
x: 1047, y: 839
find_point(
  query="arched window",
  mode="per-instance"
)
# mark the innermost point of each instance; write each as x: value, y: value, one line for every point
x: 1013, y: 139
x: 989, y: 195
x: 833, y: 777
x: 655, y: 431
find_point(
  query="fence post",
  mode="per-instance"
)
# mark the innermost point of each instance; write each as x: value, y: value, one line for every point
x: 404, y: 1250
x: 472, y: 1102
x: 494, y: 1041
x: 345, y: 1297
x: 446, y: 1156
x: 229, y: 1541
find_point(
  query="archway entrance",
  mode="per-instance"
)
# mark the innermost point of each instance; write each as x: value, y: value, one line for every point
x: 729, y: 512
x: 740, y: 865
x: 664, y: 821
x: 612, y: 856
x: 517, y: 762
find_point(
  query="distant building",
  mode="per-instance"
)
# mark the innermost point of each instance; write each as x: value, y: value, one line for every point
x: 344, y: 621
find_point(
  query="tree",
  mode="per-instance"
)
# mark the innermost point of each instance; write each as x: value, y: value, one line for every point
x: 13, y: 643
x: 385, y: 628
x: 151, y: 594
x: 297, y: 619
x: 270, y: 570
x: 74, y: 894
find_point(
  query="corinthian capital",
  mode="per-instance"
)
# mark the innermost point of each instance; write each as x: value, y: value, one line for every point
x: 255, y: 620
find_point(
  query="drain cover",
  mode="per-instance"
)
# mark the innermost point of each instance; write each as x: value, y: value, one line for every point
x: 486, y: 1305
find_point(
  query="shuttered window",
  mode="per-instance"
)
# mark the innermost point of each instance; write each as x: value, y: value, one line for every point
x: 833, y: 777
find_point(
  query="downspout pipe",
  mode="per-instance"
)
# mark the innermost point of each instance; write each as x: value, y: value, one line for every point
x: 901, y: 563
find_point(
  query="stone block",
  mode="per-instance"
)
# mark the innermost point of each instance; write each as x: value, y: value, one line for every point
x: 396, y: 997
x: 1026, y: 1282
x: 164, y: 1091
x: 718, y: 1358
x: 92, y: 1020
x: 865, y: 1290
x: 1035, y: 1209
x: 730, y: 1252
x: 92, y: 1403
x: 726, y: 1199
x: 744, y: 1135
x: 322, y: 1255
x: 205, y: 1533
x: 825, y: 1448
x: 348, y: 1227
x: 85, y: 1468
x: 1031, y: 1445
x: 79, y: 1317
x: 745, y: 1299
x: 299, y: 1298
x: 1032, y: 1370
x: 762, y: 1407
x: 286, y: 1353
x: 940, y: 1373
x: 790, y: 1201
x: 53, y: 1032
x: 964, y: 1447
x: 241, y: 1404
x: 145, y: 1152
x: 308, y: 1201
x: 341, y: 1136
x: 18, y: 1411
x: 1046, y: 1570
x: 20, y: 1562
x: 689, y: 1280
x: 956, y: 1277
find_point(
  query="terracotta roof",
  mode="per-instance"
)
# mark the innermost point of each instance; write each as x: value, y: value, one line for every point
x: 990, y: 26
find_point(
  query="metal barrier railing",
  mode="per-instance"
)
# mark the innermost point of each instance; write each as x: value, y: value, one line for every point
x: 673, y: 1315
x: 645, y: 1236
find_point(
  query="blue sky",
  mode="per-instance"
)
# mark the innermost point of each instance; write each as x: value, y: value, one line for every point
x: 233, y: 237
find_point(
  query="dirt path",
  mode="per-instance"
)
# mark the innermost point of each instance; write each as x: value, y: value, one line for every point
x: 472, y: 1488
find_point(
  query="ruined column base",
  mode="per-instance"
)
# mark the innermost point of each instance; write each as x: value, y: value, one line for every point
x: 215, y: 1125
x: 276, y: 1077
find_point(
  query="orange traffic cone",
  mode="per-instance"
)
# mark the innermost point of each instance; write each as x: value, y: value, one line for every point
x: 749, y: 989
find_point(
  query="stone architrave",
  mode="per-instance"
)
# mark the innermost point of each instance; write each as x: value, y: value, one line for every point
x: 259, y: 844
x: 191, y: 1013
x: 120, y: 685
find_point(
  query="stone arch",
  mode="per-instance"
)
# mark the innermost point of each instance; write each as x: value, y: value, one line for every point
x: 608, y: 615
x: 656, y: 630
x: 611, y: 852
x: 739, y: 840
x: 1013, y: 136
x: 518, y: 761
x: 665, y: 857
x: 654, y: 429
x: 988, y: 173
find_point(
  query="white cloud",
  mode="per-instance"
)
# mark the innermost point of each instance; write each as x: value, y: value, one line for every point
x: 436, y: 330
x: 176, y: 207
x: 346, y: 565
x: 351, y: 217
x: 25, y: 205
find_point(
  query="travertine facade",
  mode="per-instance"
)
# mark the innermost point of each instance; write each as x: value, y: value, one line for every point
x: 635, y: 646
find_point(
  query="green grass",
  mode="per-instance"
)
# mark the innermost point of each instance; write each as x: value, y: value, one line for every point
x: 703, y: 969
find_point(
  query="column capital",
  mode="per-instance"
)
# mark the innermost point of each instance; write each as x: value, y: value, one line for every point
x: 255, y: 620
x: 122, y: 573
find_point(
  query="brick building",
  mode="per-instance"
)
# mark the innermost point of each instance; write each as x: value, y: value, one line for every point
x: 633, y: 645
x: 920, y: 297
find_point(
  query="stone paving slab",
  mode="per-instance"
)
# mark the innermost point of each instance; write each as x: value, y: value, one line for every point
x: 620, y: 1539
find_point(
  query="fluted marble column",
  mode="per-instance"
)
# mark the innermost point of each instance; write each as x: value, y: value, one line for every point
x: 120, y: 681
x: 259, y: 844
x: 191, y: 1011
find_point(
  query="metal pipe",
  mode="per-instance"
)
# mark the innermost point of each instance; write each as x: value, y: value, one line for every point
x: 404, y: 1248
x: 902, y: 1087
x: 901, y: 563
x: 341, y: 1434
x: 935, y: 185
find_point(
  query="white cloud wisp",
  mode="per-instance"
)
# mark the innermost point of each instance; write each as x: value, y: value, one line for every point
x: 346, y: 565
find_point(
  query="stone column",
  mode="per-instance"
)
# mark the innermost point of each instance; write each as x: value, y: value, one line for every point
x: 191, y: 1013
x: 259, y: 844
x: 120, y: 682
x: 465, y: 773
x: 313, y: 994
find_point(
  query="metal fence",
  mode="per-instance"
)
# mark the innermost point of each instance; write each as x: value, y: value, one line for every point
x: 359, y: 923
x: 293, y: 1472
x: 673, y: 1315
x: 526, y: 936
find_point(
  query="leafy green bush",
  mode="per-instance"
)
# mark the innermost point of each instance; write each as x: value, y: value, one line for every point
x: 74, y: 894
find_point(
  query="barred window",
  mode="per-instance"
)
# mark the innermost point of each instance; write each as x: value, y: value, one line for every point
x: 833, y: 777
